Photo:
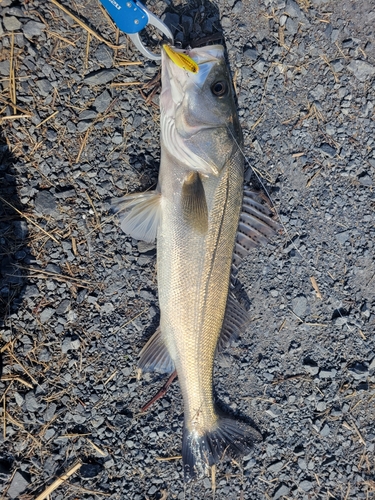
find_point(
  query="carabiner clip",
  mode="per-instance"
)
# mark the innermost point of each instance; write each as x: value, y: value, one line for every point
x: 130, y: 16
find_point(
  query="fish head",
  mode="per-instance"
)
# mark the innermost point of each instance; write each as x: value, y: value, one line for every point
x: 199, y: 122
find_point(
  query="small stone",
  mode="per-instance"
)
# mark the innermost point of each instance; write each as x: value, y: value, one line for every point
x: 361, y: 69
x: 306, y: 485
x: 321, y: 406
x: 107, y: 308
x: 63, y: 307
x: 83, y: 125
x: 226, y: 22
x: 49, y: 434
x: 44, y: 86
x: 51, y: 135
x: 337, y: 65
x: 340, y: 321
x: 334, y: 35
x: 18, y: 485
x: 259, y: 66
x: 328, y: 373
x: 50, y: 412
x: 5, y: 67
x: 365, y: 180
x: 104, y: 55
x: 90, y: 470
x: 30, y: 402
x: 46, y: 314
x: 325, y: 431
x: 299, y: 305
x: 282, y: 20
x: 282, y: 491
x: 291, y: 26
x: 318, y: 92
x: 238, y: 8
x: 33, y: 28
x: 117, y: 138
x: 327, y: 150
x: 75, y: 344
x: 275, y: 467
x: 102, y: 102
x: 342, y: 237
x: 19, y: 399
x: 88, y: 114
x: 302, y: 464
x: 71, y: 127
x: 251, y: 53
x: 53, y: 268
x: 109, y: 463
x: 358, y: 370
x: 100, y: 77
x: 11, y: 23
x: 293, y: 10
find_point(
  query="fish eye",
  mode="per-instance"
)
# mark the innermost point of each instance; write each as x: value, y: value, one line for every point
x: 219, y: 88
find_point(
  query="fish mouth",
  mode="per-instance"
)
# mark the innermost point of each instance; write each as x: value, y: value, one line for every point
x: 175, y: 78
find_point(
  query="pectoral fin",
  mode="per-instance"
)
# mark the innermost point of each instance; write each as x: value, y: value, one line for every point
x: 193, y: 202
x: 154, y: 356
x: 255, y: 228
x: 141, y: 214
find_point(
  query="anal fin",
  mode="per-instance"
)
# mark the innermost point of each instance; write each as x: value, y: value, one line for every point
x: 193, y: 202
x: 236, y: 320
x: 141, y: 216
x: 154, y: 356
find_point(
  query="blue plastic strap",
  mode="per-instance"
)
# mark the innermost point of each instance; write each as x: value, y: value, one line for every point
x: 128, y: 15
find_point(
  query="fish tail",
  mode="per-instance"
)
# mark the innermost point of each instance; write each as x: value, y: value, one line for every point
x: 200, y: 451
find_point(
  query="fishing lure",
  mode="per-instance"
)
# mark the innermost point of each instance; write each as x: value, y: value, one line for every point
x: 181, y: 59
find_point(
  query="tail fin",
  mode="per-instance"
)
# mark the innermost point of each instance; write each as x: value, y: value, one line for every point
x: 202, y: 451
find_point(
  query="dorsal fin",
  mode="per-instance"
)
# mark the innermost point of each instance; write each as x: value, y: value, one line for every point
x: 236, y: 320
x: 193, y: 202
x: 255, y: 227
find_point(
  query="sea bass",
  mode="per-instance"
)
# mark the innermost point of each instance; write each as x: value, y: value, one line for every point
x: 194, y: 213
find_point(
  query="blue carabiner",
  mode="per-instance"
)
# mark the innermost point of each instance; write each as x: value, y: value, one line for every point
x: 130, y: 16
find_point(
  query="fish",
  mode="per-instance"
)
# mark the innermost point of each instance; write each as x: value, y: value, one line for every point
x: 204, y: 224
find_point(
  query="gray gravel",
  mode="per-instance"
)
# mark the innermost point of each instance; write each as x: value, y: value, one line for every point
x: 78, y: 299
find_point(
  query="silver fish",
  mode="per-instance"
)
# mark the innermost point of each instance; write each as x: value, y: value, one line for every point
x: 195, y: 213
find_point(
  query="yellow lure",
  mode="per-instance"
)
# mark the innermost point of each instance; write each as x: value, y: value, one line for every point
x: 181, y: 60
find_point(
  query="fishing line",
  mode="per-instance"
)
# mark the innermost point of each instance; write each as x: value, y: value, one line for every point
x: 258, y: 177
x: 266, y: 191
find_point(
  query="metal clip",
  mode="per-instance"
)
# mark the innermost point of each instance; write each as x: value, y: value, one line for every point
x: 130, y: 16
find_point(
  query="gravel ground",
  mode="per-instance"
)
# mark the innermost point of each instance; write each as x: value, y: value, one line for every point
x: 78, y: 299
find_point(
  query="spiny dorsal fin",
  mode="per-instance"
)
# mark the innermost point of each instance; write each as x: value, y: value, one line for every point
x: 235, y: 322
x: 255, y: 227
x: 154, y: 356
x: 142, y: 214
x: 193, y: 202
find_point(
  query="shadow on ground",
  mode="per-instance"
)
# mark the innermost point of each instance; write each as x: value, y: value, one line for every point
x: 13, y: 241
